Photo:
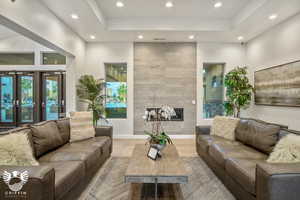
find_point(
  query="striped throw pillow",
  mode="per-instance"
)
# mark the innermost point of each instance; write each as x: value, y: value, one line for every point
x: 81, y: 125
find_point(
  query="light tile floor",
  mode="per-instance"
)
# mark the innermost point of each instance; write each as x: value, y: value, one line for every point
x: 124, y: 147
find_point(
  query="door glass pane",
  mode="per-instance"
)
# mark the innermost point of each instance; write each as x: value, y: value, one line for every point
x: 26, y: 104
x: 52, y: 97
x: 213, y: 90
x: 7, y: 97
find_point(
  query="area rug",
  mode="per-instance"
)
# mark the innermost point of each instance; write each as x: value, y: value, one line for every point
x: 203, y: 184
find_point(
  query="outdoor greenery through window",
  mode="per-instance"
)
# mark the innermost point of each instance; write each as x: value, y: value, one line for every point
x: 17, y: 58
x: 50, y: 58
x: 116, y: 90
x: 213, y: 88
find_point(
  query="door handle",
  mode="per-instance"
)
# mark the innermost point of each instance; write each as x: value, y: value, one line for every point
x: 17, y: 102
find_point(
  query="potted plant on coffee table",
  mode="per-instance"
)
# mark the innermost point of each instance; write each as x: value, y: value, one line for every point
x: 158, y: 137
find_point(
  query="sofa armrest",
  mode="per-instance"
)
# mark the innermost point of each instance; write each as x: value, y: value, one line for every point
x: 203, y: 130
x: 104, y: 131
x: 40, y: 185
x: 278, y: 181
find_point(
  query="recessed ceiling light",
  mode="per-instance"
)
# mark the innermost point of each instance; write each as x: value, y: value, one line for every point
x: 273, y: 16
x: 92, y: 37
x: 218, y: 4
x: 140, y: 37
x: 169, y: 4
x: 191, y: 37
x: 120, y: 4
x: 75, y: 16
x: 240, y: 38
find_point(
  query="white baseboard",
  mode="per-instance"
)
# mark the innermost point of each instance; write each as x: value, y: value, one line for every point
x: 145, y: 136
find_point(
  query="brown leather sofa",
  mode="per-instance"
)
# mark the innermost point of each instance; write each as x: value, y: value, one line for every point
x: 241, y: 165
x: 65, y: 168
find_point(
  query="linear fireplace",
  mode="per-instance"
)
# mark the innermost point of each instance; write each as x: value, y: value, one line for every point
x: 179, y: 114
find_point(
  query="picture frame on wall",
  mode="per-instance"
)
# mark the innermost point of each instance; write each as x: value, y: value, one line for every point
x: 278, y: 85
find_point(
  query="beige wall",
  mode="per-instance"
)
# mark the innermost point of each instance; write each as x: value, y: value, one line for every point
x: 232, y: 55
x: 99, y: 53
x: 279, y: 45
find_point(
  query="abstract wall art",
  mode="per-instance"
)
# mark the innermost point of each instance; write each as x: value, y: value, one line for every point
x: 278, y: 85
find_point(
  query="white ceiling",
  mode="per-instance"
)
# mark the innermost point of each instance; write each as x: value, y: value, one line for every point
x: 5, y: 32
x: 182, y: 8
x: 247, y: 18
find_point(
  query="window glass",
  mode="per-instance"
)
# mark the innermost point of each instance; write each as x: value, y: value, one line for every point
x: 16, y: 58
x: 7, y: 98
x: 116, y: 90
x: 51, y: 58
x: 26, y: 99
x: 213, y: 88
x: 52, y: 98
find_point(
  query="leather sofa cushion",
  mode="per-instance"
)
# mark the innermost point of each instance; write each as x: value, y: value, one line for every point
x: 102, y: 142
x: 243, y: 171
x: 262, y: 136
x: 64, y: 129
x: 221, y: 152
x: 205, y: 141
x: 90, y: 155
x: 67, y: 175
x: 45, y: 137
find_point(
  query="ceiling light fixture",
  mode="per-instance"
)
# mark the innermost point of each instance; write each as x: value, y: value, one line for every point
x: 240, y: 38
x: 191, y: 37
x: 273, y: 16
x: 140, y: 37
x: 218, y: 4
x: 92, y: 37
x: 75, y: 16
x: 169, y: 4
x: 120, y: 4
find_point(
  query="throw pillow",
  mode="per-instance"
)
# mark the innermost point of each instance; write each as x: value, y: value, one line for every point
x: 224, y: 127
x: 64, y: 129
x: 16, y: 149
x: 45, y: 137
x: 81, y: 124
x: 287, y: 150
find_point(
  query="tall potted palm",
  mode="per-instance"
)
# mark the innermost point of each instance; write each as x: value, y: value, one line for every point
x: 238, y: 91
x: 90, y: 91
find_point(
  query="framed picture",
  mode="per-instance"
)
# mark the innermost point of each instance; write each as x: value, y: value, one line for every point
x: 153, y: 153
x: 278, y: 85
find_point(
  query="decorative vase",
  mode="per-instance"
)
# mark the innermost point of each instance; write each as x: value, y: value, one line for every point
x: 160, y: 147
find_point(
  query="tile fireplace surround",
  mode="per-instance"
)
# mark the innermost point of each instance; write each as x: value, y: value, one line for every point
x: 165, y: 74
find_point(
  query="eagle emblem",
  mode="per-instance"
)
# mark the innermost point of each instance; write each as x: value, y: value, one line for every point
x: 16, y: 186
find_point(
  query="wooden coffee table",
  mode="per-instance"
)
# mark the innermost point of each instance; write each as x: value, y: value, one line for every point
x: 164, y: 175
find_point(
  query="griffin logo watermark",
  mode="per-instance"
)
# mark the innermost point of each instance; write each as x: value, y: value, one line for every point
x: 15, y: 182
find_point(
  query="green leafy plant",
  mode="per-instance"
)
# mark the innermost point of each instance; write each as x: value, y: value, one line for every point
x: 90, y: 90
x: 238, y: 91
x: 159, y: 138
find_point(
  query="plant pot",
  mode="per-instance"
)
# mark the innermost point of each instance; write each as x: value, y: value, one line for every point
x: 160, y: 147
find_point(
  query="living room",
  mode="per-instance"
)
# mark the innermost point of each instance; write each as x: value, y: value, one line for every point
x: 93, y: 91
